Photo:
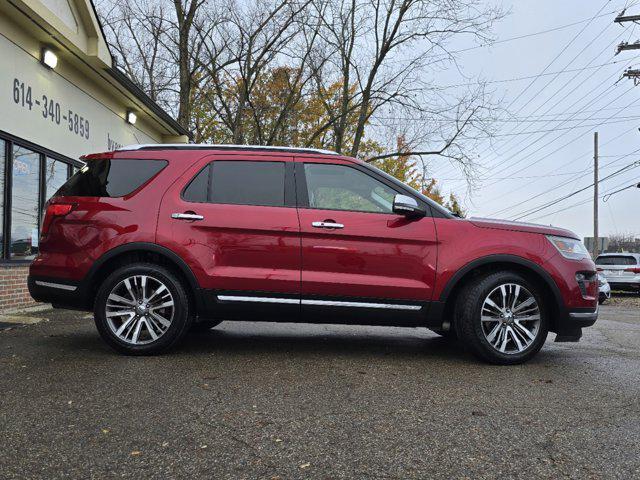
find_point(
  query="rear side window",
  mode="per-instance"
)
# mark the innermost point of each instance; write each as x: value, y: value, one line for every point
x: 198, y: 188
x: 239, y: 183
x: 110, y: 178
x: 616, y: 260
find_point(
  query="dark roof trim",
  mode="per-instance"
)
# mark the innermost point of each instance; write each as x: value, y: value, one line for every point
x: 134, y: 89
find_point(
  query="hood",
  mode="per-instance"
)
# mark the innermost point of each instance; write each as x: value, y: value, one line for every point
x: 521, y: 227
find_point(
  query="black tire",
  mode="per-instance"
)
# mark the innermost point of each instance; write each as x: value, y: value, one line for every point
x: 181, y: 318
x: 468, y: 322
x: 204, y: 325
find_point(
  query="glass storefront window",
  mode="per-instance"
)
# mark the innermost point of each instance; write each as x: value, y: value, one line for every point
x: 56, y: 174
x: 25, y: 195
x: 3, y: 153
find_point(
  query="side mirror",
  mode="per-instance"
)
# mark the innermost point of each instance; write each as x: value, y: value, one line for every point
x: 408, y: 206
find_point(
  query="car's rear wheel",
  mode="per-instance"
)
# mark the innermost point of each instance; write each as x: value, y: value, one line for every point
x: 142, y: 309
x: 502, y: 318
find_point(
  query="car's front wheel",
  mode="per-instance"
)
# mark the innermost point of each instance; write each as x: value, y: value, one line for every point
x: 142, y: 309
x: 502, y: 318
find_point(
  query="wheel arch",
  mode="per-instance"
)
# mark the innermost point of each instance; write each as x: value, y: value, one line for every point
x: 141, y: 252
x: 492, y: 263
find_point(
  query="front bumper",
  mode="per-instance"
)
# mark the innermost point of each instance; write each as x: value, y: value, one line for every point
x: 569, y: 329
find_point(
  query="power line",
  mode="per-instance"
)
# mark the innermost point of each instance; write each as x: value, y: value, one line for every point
x: 553, y: 79
x: 567, y: 45
x: 579, y: 157
x: 539, y: 208
x: 542, y: 32
x: 529, y: 177
x: 549, y: 99
x: 557, y: 137
x: 589, y: 103
x: 559, y: 54
x: 583, y: 202
x: 528, y: 77
x: 582, y: 174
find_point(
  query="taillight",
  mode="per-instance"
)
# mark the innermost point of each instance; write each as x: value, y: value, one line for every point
x: 600, y: 269
x: 632, y: 270
x: 54, y: 210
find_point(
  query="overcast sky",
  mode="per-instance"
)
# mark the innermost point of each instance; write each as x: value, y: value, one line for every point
x: 530, y: 170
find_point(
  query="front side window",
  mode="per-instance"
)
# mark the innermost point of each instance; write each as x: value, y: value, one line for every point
x: 110, y: 178
x: 25, y: 198
x: 339, y: 187
x: 239, y: 183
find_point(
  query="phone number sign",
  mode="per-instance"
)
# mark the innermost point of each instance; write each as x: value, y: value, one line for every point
x: 50, y: 109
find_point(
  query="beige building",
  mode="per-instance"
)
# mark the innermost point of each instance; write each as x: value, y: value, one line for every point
x: 60, y: 97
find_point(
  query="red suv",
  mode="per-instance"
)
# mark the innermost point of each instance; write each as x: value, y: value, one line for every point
x: 160, y: 239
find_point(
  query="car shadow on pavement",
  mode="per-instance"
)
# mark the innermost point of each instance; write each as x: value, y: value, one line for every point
x: 303, y: 341
x: 334, y: 340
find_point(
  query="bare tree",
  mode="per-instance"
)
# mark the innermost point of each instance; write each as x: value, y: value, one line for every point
x: 257, y: 38
x: 351, y: 75
x: 392, y: 50
x: 159, y: 45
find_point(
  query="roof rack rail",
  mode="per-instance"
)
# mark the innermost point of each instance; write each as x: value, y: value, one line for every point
x: 206, y: 146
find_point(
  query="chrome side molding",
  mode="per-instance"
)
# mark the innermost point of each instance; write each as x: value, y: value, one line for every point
x: 60, y: 286
x: 321, y: 303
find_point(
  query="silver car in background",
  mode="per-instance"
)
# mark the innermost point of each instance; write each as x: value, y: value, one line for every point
x: 604, y: 289
x: 622, y: 270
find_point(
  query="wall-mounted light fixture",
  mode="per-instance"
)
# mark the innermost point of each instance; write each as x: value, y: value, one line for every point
x: 131, y: 117
x: 49, y: 58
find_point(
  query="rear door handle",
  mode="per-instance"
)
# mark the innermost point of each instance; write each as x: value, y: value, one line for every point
x: 327, y: 224
x: 187, y: 216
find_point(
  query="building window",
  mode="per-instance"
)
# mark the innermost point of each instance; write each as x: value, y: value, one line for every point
x: 56, y: 174
x: 3, y: 162
x: 25, y: 204
x: 28, y: 178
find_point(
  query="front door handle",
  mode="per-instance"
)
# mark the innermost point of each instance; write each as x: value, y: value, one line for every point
x: 327, y: 224
x: 187, y: 216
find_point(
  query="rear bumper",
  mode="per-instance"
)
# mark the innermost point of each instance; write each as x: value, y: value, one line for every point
x: 61, y: 293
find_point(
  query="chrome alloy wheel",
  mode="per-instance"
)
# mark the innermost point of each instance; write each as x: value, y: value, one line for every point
x: 139, y: 309
x: 510, y: 318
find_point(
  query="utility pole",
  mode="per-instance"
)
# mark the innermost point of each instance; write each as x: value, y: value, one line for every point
x: 595, y: 195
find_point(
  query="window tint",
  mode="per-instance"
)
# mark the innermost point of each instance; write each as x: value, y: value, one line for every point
x: 198, y: 189
x: 616, y: 260
x: 247, y: 183
x: 338, y: 187
x: 110, y: 178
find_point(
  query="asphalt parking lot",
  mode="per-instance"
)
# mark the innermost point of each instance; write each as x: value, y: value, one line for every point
x: 254, y: 401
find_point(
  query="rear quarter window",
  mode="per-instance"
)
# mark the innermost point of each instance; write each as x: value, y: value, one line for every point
x: 616, y: 260
x: 110, y: 178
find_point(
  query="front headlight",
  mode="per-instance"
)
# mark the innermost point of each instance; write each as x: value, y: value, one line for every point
x: 569, y: 247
